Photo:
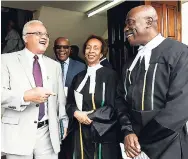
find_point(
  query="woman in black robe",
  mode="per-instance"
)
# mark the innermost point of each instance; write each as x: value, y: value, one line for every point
x: 91, y: 103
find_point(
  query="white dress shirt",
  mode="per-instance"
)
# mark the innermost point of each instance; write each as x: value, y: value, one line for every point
x: 30, y: 60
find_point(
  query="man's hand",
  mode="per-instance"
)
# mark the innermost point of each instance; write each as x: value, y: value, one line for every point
x: 37, y: 95
x: 132, y: 146
x: 82, y: 117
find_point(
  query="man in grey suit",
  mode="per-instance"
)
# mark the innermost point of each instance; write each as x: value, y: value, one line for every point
x: 70, y: 69
x: 33, y: 98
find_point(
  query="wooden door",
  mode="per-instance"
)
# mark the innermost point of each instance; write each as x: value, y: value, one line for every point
x: 169, y: 15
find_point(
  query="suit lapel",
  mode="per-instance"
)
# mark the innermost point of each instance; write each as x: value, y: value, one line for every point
x: 48, y: 83
x: 47, y: 78
x: 27, y: 68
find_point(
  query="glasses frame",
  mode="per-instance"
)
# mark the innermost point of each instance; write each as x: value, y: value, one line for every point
x: 38, y: 33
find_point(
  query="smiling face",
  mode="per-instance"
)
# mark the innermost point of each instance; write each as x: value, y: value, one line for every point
x: 34, y: 42
x: 62, y: 49
x: 136, y: 28
x: 93, y: 52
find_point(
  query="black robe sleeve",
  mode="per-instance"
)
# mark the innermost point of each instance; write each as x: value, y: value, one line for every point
x: 71, y: 103
x: 105, y: 117
x: 122, y: 105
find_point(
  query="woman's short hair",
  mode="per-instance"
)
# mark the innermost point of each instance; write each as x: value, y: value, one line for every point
x: 104, y: 49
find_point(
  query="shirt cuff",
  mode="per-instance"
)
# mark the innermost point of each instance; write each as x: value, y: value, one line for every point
x: 65, y: 123
x: 23, y: 103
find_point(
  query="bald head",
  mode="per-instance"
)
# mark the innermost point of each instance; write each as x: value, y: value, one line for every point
x: 145, y: 11
x: 59, y: 39
x: 141, y: 25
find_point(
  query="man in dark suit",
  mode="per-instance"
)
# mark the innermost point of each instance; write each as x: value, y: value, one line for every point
x: 70, y: 69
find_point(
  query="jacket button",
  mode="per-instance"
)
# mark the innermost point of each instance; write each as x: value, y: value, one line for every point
x: 35, y: 122
x: 37, y: 105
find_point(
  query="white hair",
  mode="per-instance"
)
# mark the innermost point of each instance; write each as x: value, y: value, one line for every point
x: 25, y: 28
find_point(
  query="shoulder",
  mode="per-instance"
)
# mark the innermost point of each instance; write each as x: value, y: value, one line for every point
x: 79, y: 77
x: 13, y: 31
x: 173, y: 52
x: 10, y: 56
x: 107, y: 71
x: 78, y: 64
x: 169, y: 51
x: 51, y: 61
x: 176, y: 44
x: 13, y: 34
x: 106, y: 63
x: 173, y: 46
x: 108, y: 75
x: 81, y: 74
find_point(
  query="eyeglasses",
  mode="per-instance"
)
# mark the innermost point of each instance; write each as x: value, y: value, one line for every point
x: 61, y: 46
x: 40, y: 34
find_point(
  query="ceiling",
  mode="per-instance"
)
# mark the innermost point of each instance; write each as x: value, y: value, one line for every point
x: 79, y: 6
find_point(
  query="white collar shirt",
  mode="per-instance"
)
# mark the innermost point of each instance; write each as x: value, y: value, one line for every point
x: 146, y: 51
x: 30, y: 59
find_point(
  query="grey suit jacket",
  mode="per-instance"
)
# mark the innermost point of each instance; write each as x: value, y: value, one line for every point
x: 19, y: 121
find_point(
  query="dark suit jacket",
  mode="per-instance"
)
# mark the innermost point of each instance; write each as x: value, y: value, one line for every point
x: 74, y: 68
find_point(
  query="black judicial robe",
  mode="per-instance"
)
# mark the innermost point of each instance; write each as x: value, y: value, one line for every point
x: 99, y: 140
x: 106, y: 63
x: 156, y: 109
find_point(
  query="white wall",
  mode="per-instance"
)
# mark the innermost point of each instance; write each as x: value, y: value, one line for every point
x: 76, y: 26
x: 185, y: 23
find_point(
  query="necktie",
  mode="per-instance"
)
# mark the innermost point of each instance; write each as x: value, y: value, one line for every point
x: 38, y: 82
x: 62, y: 67
x: 63, y: 75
